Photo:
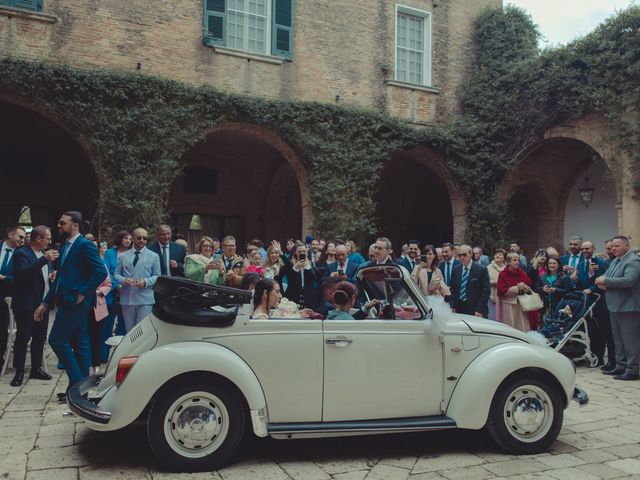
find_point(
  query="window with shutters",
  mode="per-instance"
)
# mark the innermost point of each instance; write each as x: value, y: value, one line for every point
x: 33, y: 5
x: 263, y: 27
x: 413, y: 46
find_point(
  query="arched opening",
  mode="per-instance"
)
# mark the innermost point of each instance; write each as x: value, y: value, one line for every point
x: 551, y: 174
x: 523, y: 226
x: 241, y: 181
x: 418, y: 200
x: 43, y: 168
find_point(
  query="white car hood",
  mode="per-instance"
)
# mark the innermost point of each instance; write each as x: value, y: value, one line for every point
x: 480, y: 325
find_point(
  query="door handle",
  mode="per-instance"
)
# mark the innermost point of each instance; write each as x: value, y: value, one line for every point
x: 339, y: 341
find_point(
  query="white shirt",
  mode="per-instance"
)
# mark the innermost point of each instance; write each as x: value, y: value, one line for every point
x: 44, y: 270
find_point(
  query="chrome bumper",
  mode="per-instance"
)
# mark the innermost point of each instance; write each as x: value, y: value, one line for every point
x: 580, y: 396
x: 83, y: 407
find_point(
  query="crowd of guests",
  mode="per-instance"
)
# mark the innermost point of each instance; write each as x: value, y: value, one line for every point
x: 101, y: 290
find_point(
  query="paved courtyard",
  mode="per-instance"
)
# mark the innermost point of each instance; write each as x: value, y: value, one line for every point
x: 600, y: 441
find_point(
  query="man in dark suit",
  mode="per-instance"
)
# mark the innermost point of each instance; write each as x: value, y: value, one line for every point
x: 413, y: 256
x: 342, y: 268
x: 382, y: 253
x: 448, y: 262
x: 80, y: 271
x: 31, y: 271
x: 171, y: 254
x: 470, y: 286
x: 573, y: 260
x: 14, y: 240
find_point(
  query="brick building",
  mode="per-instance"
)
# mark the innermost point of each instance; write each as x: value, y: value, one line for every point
x: 405, y: 58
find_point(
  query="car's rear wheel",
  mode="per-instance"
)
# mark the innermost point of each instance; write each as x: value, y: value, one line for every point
x: 196, y: 427
x: 526, y: 415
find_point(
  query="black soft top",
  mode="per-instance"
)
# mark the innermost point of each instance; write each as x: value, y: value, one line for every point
x: 186, y: 302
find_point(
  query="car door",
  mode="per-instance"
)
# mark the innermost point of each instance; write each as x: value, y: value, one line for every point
x: 382, y: 368
x: 286, y: 356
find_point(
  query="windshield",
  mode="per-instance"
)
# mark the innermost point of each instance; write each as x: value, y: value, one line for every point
x: 397, y: 301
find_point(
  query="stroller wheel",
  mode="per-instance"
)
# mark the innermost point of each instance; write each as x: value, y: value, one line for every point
x: 592, y: 360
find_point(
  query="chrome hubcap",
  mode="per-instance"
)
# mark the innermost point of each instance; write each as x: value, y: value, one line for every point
x: 196, y: 424
x: 528, y: 413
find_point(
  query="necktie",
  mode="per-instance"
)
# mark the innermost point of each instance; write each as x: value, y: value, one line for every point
x: 413, y: 264
x: 572, y: 261
x: 164, y: 261
x: 135, y: 260
x: 229, y: 264
x: 5, y: 260
x: 463, y: 285
x: 341, y: 266
x: 447, y: 274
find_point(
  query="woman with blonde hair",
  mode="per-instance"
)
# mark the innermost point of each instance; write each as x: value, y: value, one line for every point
x: 203, y: 266
x: 274, y: 262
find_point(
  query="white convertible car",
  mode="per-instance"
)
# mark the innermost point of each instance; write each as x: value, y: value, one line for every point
x: 200, y: 373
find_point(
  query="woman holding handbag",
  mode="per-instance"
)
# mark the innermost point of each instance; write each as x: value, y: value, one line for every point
x: 513, y: 281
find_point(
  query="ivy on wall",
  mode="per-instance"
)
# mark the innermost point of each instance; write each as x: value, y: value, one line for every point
x: 140, y: 127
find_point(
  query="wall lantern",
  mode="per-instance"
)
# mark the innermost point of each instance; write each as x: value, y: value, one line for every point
x: 586, y: 192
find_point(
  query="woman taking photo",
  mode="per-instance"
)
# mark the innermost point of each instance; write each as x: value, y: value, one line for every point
x: 513, y: 281
x: 327, y: 258
x: 303, y: 285
x: 429, y: 277
x: 266, y: 297
x: 552, y: 285
x: 495, y: 267
x: 203, y: 266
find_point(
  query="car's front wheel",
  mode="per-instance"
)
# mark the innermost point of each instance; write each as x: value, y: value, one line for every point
x: 196, y: 427
x: 526, y: 415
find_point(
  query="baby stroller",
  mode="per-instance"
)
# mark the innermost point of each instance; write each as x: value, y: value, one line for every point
x: 566, y: 329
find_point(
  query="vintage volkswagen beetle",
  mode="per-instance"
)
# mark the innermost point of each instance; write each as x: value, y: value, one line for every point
x: 201, y: 373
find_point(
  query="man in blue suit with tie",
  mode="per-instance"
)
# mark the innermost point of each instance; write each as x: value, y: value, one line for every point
x: 573, y: 261
x: 14, y: 239
x: 137, y: 272
x: 171, y: 254
x: 342, y: 268
x: 80, y: 271
x: 448, y: 262
x: 31, y: 271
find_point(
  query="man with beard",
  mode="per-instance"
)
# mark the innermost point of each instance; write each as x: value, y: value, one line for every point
x: 80, y: 271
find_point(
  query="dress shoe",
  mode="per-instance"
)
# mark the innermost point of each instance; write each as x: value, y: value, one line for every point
x: 628, y: 376
x: 39, y: 374
x: 615, y: 371
x: 61, y: 395
x: 17, y: 380
x: 608, y: 366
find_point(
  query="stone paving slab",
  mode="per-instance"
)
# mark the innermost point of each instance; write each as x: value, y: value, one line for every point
x: 599, y: 441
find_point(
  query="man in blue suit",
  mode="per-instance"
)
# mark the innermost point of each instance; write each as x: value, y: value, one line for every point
x: 137, y: 272
x: 573, y: 260
x: 171, y: 254
x: 14, y: 240
x: 31, y: 271
x: 342, y: 268
x: 80, y: 271
x: 470, y: 286
x: 413, y: 256
x: 448, y: 262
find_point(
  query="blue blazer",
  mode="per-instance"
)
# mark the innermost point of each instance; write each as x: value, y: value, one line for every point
x: 29, y: 282
x: 147, y: 268
x: 111, y: 261
x: 352, y: 268
x: 80, y: 274
x: 584, y: 281
x: 176, y: 252
x: 455, y: 263
x: 478, y: 287
x: 6, y: 285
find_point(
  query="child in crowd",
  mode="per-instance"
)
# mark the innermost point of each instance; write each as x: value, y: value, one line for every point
x: 255, y: 263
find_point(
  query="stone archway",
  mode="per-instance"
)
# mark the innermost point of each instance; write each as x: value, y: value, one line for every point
x: 261, y: 187
x: 419, y: 199
x: 44, y: 166
x: 548, y: 173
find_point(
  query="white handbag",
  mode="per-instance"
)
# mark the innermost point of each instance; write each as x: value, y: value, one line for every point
x: 530, y: 302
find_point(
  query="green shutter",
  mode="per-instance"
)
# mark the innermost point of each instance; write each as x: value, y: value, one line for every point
x: 214, y: 22
x: 282, y: 28
x: 35, y: 5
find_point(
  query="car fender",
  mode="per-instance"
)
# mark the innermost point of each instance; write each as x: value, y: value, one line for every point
x: 158, y: 366
x: 471, y: 399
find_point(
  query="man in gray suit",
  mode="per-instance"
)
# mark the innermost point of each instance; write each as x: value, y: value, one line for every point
x: 137, y: 272
x: 622, y: 283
